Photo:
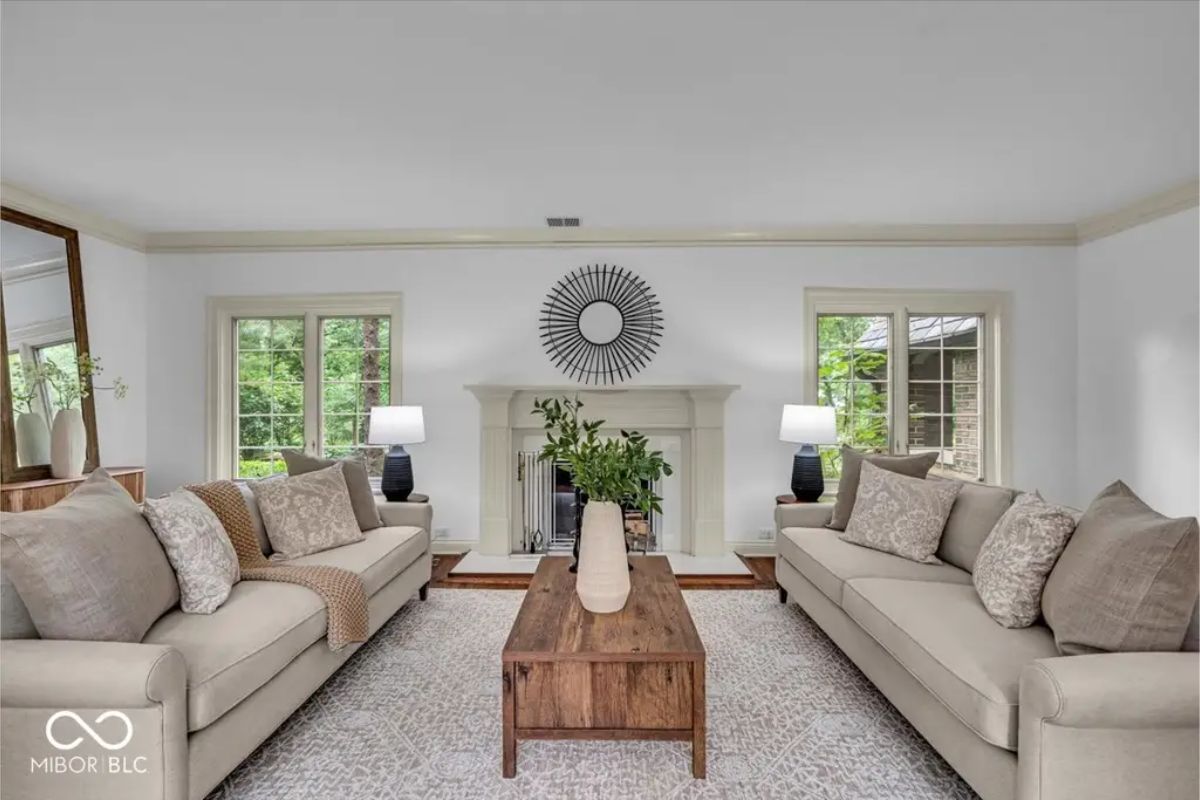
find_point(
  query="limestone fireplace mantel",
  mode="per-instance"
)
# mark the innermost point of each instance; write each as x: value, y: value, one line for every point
x: 698, y: 410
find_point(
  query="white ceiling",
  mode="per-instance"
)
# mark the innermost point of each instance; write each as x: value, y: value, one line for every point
x: 175, y: 116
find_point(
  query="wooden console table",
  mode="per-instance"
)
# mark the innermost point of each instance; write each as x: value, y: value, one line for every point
x: 32, y: 495
x: 635, y: 674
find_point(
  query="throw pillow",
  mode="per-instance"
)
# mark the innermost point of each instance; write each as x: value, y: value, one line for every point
x: 900, y: 515
x: 197, y: 547
x: 307, y: 513
x: 916, y: 466
x: 1127, y: 580
x: 1016, y: 557
x: 89, y: 567
x: 358, y: 482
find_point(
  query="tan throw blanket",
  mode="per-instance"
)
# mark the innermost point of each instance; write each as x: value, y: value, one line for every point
x: 342, y: 590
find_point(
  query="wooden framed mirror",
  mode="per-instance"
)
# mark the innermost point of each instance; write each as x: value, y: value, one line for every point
x: 42, y: 321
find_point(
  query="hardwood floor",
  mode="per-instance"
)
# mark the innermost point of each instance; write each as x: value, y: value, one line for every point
x: 762, y: 569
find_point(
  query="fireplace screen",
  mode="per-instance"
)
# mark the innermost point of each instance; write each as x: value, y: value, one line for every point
x: 552, y: 510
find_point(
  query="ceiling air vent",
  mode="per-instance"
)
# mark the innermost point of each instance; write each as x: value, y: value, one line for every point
x: 562, y: 222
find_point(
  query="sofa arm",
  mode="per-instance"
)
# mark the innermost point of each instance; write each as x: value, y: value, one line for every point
x: 414, y: 515
x: 803, y: 515
x: 50, y: 690
x: 1111, y: 725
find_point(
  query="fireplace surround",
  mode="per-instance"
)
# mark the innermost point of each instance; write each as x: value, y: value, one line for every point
x: 695, y: 413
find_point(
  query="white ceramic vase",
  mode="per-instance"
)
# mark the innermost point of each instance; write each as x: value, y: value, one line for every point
x: 602, y: 582
x: 68, y: 444
x: 33, y: 440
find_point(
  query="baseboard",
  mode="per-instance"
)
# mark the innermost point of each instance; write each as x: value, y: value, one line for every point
x: 752, y: 548
x: 453, y: 546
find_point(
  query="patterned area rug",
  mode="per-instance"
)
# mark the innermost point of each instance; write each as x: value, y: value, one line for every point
x: 416, y: 714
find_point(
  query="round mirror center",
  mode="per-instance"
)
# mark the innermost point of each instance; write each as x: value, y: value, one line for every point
x: 601, y: 322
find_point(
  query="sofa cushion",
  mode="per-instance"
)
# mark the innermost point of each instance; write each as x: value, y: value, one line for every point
x: 230, y: 653
x: 264, y: 626
x: 916, y: 466
x: 1019, y: 553
x: 976, y: 511
x: 942, y: 635
x: 381, y: 556
x: 307, y: 513
x: 899, y: 514
x: 819, y: 555
x: 88, y: 568
x: 358, y: 483
x: 1127, y: 579
x: 197, y: 547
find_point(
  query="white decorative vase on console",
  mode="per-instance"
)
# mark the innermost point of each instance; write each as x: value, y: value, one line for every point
x: 602, y: 581
x: 68, y: 444
x: 33, y: 440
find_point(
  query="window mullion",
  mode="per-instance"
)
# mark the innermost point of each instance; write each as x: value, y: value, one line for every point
x: 898, y: 396
x: 312, y: 384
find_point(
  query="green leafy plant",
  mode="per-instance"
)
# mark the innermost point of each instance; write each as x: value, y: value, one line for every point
x: 608, y: 469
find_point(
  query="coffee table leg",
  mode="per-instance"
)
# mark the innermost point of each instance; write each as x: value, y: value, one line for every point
x: 509, y: 760
x: 699, y: 724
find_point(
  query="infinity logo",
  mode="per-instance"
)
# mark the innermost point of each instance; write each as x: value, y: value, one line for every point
x: 97, y: 738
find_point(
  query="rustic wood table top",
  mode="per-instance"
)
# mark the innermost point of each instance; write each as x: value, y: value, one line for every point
x: 655, y: 624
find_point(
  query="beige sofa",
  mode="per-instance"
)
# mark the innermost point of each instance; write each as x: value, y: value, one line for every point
x: 1013, y: 717
x: 201, y: 692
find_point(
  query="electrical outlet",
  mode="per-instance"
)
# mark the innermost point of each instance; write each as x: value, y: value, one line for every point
x: 766, y: 534
x: 441, y: 533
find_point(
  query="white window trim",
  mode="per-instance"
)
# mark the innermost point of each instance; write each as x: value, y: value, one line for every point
x: 995, y: 306
x: 222, y: 311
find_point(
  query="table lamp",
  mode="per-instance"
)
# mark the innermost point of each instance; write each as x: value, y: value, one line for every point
x: 397, y: 426
x: 808, y: 426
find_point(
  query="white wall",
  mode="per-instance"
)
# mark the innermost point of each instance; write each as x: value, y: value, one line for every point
x: 115, y: 291
x: 1139, y: 292
x: 732, y: 315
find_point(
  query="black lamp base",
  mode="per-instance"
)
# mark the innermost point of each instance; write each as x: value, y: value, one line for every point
x: 397, y: 483
x: 808, y: 480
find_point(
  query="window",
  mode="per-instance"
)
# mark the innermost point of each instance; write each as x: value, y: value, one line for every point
x: 298, y: 373
x: 911, y: 373
x: 270, y: 393
x: 355, y: 374
x: 61, y: 354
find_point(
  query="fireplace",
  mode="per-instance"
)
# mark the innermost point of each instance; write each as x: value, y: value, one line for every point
x: 686, y: 422
x: 551, y: 510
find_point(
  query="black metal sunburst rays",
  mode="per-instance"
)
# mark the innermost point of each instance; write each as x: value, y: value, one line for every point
x: 601, y: 324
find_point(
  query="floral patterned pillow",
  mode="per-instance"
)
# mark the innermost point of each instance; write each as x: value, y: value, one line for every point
x: 1017, y: 557
x: 307, y: 513
x: 198, y: 548
x: 900, y: 515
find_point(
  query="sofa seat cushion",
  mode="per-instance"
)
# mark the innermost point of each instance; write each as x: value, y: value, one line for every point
x: 230, y: 653
x: 819, y: 555
x: 941, y: 633
x: 382, y: 555
x: 264, y: 625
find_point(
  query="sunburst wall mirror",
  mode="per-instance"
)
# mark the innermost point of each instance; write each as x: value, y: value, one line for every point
x: 601, y: 324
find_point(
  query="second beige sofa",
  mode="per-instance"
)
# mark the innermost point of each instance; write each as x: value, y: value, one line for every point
x: 1010, y: 714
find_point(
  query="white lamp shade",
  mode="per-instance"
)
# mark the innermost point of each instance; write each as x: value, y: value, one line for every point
x: 397, y: 425
x: 808, y: 425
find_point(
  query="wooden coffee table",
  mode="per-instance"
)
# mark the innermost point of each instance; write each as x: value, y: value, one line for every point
x: 635, y: 674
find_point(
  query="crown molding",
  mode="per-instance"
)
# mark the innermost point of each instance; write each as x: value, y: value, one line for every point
x: 817, y: 236
x: 83, y: 221
x: 1032, y: 235
x: 1148, y: 209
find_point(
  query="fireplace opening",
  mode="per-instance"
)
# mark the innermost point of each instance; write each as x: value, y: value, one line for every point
x: 552, y: 510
